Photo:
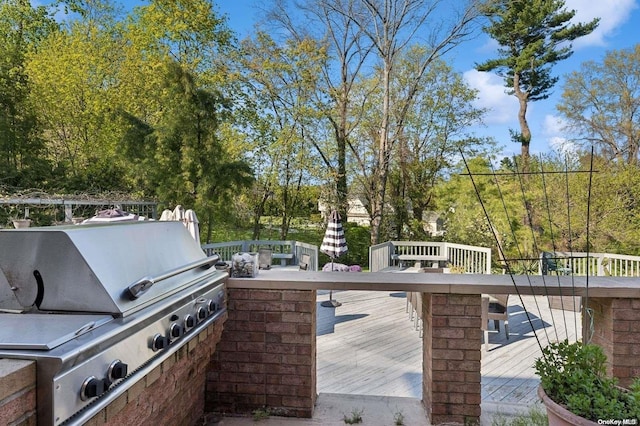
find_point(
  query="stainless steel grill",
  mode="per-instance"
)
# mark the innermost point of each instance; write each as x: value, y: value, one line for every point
x: 99, y: 306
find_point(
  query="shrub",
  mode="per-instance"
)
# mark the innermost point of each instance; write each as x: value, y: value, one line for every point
x: 574, y: 375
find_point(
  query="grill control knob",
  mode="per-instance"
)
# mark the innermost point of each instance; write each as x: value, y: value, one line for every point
x: 202, y: 313
x: 159, y: 342
x: 213, y: 306
x: 176, y: 330
x: 92, y: 387
x: 189, y: 322
x: 117, y: 370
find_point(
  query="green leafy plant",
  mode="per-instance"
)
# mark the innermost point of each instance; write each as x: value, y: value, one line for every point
x: 398, y: 418
x: 356, y: 417
x: 574, y: 376
x: 261, y: 414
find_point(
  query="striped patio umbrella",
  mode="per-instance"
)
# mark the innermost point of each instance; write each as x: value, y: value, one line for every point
x: 333, y: 245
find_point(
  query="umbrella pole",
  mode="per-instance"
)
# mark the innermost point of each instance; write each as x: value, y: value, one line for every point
x: 331, y: 303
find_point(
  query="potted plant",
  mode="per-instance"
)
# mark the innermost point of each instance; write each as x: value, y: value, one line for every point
x: 21, y: 223
x: 576, y: 390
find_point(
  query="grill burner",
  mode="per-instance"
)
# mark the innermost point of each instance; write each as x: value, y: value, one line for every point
x: 99, y: 306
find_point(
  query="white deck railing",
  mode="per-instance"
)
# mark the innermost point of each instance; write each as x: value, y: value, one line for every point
x: 469, y: 259
x: 290, y: 252
x: 598, y: 264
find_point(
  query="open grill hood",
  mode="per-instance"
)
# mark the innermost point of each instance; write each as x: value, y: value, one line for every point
x: 97, y: 268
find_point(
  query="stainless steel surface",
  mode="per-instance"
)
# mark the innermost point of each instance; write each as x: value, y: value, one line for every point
x: 8, y: 301
x: 67, y: 302
x: 87, y: 268
x: 141, y: 286
x: 45, y: 332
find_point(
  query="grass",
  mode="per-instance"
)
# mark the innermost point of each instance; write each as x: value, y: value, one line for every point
x: 358, y: 239
x: 534, y: 417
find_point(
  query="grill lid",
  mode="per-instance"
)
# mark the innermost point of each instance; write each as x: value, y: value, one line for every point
x: 41, y: 332
x: 114, y: 268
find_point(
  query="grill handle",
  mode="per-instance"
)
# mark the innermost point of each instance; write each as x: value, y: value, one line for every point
x: 139, y: 287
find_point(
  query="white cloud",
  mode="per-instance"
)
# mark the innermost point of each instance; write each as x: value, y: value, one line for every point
x: 563, y: 146
x: 553, y: 130
x: 501, y: 107
x: 553, y: 125
x: 612, y: 13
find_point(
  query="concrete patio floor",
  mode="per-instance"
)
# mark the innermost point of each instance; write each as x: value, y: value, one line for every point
x: 332, y: 409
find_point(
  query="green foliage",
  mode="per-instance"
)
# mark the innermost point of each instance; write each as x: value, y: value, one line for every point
x: 261, y: 414
x: 545, y: 212
x: 431, y: 140
x: 23, y: 160
x: 533, y: 36
x: 605, y: 115
x: 354, y: 418
x: 534, y: 417
x: 574, y: 375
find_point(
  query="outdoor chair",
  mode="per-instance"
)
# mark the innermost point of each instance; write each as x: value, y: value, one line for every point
x: 550, y: 264
x: 264, y: 258
x: 494, y: 307
x: 414, y: 299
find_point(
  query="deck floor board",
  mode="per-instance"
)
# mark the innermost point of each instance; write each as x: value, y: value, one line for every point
x: 370, y: 346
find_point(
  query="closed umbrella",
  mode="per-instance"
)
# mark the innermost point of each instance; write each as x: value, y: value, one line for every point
x: 178, y: 214
x: 333, y: 245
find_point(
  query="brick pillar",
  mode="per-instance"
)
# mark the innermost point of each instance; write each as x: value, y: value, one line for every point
x: 452, y: 351
x: 616, y: 324
x: 17, y: 392
x: 267, y: 356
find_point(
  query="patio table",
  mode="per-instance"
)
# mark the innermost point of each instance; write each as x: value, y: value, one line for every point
x: 419, y: 258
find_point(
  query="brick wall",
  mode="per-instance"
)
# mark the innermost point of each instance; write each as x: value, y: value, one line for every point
x: 452, y: 353
x: 616, y: 325
x: 267, y: 356
x: 17, y: 392
x: 171, y: 394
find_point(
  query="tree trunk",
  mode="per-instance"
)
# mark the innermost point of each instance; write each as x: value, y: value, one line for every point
x: 525, y: 132
x: 341, y: 178
x: 384, y: 154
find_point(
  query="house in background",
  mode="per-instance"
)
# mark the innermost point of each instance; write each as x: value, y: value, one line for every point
x: 433, y: 224
x: 357, y: 213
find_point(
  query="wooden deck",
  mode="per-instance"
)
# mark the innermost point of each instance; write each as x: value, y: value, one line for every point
x: 369, y: 346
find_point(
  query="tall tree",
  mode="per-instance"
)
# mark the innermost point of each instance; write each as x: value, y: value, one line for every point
x: 533, y: 36
x: 74, y: 76
x: 601, y: 105
x: 391, y: 25
x: 426, y: 148
x: 281, y: 82
x: 368, y: 36
x: 22, y: 159
x: 345, y: 45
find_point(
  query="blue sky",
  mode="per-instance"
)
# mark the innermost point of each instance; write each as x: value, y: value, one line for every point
x: 619, y: 29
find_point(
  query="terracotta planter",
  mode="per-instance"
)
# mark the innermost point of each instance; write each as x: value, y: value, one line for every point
x: 560, y: 416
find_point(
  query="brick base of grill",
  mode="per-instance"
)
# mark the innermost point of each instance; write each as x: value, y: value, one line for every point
x: 171, y: 394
